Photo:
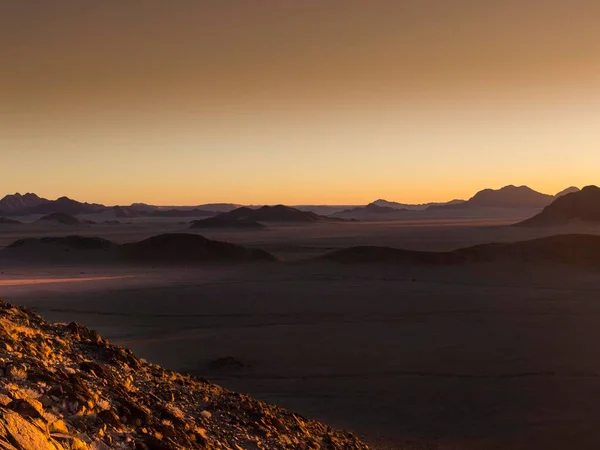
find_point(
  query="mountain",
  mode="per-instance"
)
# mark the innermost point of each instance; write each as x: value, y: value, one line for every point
x: 223, y: 224
x: 65, y: 205
x: 142, y: 207
x: 371, y: 208
x: 16, y: 204
x: 572, y: 250
x: 506, y: 197
x: 278, y: 213
x: 60, y: 218
x: 413, y: 207
x: 566, y: 191
x: 66, y: 387
x: 582, y: 206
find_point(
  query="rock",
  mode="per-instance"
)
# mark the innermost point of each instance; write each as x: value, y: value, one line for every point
x: 70, y: 442
x: 99, y: 445
x: 58, y: 426
x: 27, y: 408
x: 18, y: 433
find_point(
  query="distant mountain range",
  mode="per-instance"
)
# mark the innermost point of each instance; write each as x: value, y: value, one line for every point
x: 412, y: 207
x: 576, y: 206
x: 32, y: 204
x: 506, y: 197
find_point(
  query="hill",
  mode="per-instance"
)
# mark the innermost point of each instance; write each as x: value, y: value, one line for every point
x: 238, y: 224
x: 68, y: 242
x: 6, y: 221
x: 60, y: 218
x: 581, y: 206
x: 190, y: 248
x: 161, y: 249
x: 573, y: 250
x: 63, y: 387
x: 278, y: 213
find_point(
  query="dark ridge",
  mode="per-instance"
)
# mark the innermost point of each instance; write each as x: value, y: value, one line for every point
x: 190, y: 248
x: 6, y: 221
x: 388, y: 255
x: 161, y: 249
x: 62, y: 218
x: 568, y: 249
x: 238, y: 224
x: 571, y: 249
x: 72, y: 242
x: 583, y: 206
x: 66, y: 205
x: 278, y: 213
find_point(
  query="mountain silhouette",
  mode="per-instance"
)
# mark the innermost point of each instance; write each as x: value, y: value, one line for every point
x: 582, y: 206
x: 371, y: 208
x: 506, y: 197
x: 60, y: 218
x: 278, y: 213
x: 16, y: 204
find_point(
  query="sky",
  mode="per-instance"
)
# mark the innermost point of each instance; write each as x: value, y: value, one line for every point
x: 297, y: 101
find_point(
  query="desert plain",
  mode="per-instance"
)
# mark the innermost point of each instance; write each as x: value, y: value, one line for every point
x: 471, y: 356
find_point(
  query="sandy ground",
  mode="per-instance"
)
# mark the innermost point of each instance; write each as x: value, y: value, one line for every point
x: 470, y: 357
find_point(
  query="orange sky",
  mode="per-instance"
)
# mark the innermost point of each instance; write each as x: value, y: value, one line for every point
x: 297, y: 101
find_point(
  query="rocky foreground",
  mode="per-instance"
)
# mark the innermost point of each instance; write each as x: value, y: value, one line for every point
x: 65, y: 387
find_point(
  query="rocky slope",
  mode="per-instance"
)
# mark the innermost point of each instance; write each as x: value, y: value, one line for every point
x: 65, y: 387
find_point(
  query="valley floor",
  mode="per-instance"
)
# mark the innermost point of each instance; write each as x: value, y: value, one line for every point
x: 470, y: 357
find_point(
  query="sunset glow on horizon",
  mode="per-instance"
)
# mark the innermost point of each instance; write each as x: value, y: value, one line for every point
x: 297, y: 102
